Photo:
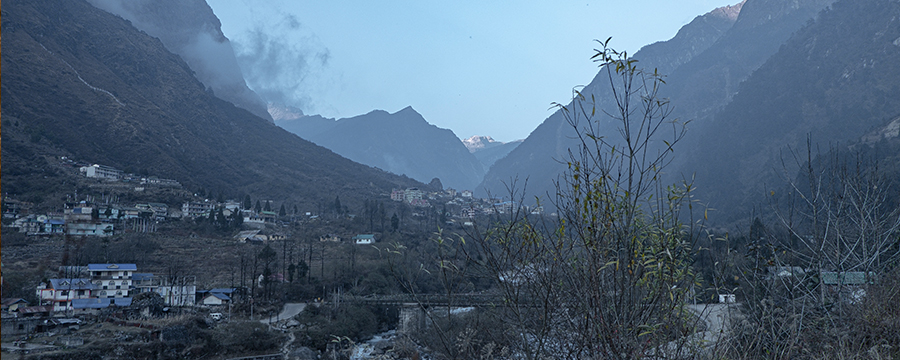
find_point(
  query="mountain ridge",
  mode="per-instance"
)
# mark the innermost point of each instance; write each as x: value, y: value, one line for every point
x: 402, y: 142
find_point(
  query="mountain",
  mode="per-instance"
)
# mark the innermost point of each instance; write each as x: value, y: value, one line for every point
x: 833, y: 82
x: 190, y: 29
x: 83, y: 83
x: 402, y: 143
x: 704, y: 64
x: 487, y: 150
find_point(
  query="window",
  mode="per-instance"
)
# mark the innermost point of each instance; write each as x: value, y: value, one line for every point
x: 64, y: 293
x: 103, y: 293
x: 80, y: 292
x: 118, y: 287
x: 111, y: 283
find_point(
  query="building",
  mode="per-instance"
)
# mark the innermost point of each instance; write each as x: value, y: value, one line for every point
x: 101, y: 171
x: 364, y: 239
x: 60, y: 293
x: 11, y: 305
x: 194, y: 209
x: 330, y: 237
x: 467, y: 194
x: 215, y: 297
x: 112, y: 280
x: 160, y: 211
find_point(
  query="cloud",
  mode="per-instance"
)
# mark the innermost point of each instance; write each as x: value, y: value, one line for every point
x: 284, y: 62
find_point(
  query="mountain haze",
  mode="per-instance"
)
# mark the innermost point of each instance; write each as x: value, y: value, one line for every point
x: 83, y: 83
x: 402, y: 143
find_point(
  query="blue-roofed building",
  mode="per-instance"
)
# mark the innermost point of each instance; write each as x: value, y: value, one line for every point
x: 215, y: 299
x: 94, y: 303
x: 60, y: 293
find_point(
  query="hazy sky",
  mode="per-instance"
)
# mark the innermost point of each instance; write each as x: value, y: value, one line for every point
x: 475, y: 67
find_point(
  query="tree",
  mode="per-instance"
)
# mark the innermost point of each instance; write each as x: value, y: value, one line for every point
x: 247, y: 203
x: 258, y: 207
x: 282, y: 212
x: 817, y: 277
x: 268, y: 256
x: 395, y: 222
x: 338, y: 208
x: 268, y: 206
x: 610, y: 278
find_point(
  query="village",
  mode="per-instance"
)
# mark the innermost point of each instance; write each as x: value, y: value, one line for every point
x: 77, y: 294
x: 88, y: 215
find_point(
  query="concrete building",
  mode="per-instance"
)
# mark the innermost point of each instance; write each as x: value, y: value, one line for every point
x: 101, y: 171
x: 112, y: 280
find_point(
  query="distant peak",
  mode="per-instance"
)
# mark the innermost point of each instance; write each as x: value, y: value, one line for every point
x: 478, y: 142
x: 730, y: 12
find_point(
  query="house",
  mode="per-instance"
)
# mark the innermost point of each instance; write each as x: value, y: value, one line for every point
x: 112, y: 280
x: 398, y: 195
x: 364, y: 239
x: 268, y: 216
x: 90, y: 229
x: 246, y: 235
x: 60, y: 293
x: 330, y: 237
x: 215, y: 299
x: 466, y: 193
x: 159, y: 210
x: 12, y: 304
x: 845, y: 278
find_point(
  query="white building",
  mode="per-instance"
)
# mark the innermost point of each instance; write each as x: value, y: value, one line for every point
x: 112, y: 280
x: 101, y: 171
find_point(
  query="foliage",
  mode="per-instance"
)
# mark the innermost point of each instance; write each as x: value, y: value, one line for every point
x: 612, y: 277
x: 324, y: 323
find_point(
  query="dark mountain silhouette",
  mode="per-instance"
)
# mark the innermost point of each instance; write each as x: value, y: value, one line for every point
x: 83, y: 83
x: 402, y: 143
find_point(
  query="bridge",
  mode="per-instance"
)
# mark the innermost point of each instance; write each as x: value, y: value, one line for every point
x: 431, y: 300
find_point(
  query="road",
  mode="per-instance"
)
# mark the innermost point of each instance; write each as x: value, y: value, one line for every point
x: 290, y: 310
x: 717, y: 319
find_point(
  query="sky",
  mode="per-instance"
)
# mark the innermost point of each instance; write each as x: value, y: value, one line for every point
x: 476, y: 67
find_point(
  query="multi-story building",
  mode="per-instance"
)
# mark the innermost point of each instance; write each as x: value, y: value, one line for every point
x: 195, y: 209
x: 60, y: 293
x: 112, y: 280
x: 101, y: 171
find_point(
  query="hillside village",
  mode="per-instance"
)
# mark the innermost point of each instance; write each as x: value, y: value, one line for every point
x: 87, y: 215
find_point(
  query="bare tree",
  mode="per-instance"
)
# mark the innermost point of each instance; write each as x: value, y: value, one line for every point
x: 834, y: 238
